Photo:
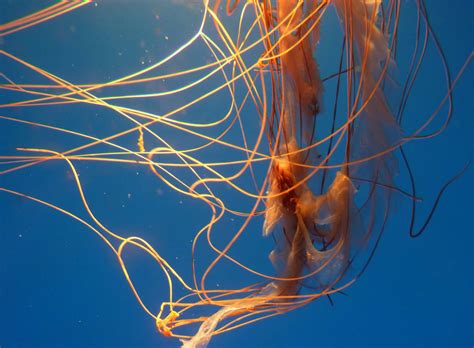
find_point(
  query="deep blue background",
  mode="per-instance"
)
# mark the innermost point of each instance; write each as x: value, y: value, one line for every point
x: 61, y: 287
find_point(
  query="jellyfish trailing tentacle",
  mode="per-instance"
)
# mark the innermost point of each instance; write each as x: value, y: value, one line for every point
x: 317, y: 235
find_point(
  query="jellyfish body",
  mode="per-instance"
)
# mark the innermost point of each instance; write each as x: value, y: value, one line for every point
x: 318, y: 234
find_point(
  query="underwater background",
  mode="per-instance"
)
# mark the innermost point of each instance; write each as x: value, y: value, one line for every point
x: 61, y: 287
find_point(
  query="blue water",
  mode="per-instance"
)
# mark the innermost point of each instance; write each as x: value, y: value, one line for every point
x: 61, y: 287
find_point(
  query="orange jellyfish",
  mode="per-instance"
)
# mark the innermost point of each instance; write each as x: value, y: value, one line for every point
x: 289, y: 152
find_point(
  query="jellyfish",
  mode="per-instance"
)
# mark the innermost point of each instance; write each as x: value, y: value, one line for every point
x: 255, y: 129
